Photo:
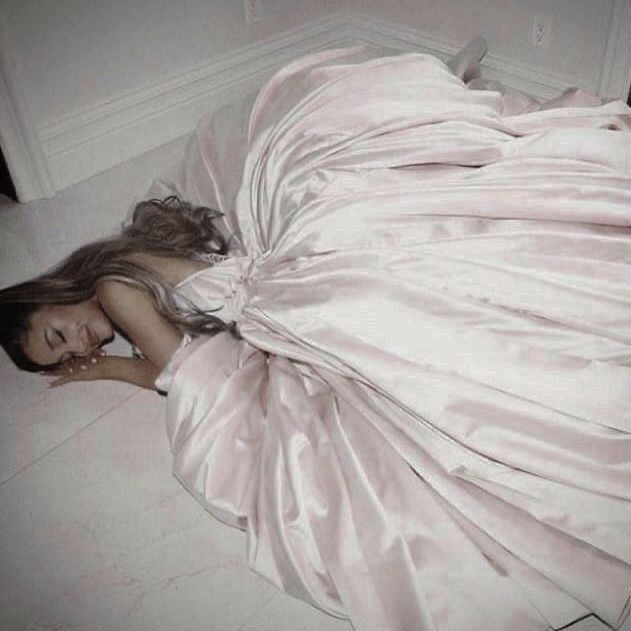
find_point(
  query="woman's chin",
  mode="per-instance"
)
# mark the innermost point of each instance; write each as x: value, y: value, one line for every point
x: 100, y: 333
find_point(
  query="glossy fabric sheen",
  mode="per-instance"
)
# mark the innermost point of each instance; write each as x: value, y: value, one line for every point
x: 426, y: 423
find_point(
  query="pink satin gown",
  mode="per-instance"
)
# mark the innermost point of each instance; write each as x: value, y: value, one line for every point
x: 425, y: 425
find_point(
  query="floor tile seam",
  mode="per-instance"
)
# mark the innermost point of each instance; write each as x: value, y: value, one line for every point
x: 262, y: 607
x: 67, y: 439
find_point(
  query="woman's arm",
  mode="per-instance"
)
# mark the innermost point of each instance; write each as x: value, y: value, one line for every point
x: 139, y: 372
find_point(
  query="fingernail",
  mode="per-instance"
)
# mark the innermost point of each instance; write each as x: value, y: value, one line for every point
x: 93, y: 360
x: 70, y: 369
x: 84, y: 367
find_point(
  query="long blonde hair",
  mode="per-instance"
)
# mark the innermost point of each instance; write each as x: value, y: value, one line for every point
x: 168, y: 227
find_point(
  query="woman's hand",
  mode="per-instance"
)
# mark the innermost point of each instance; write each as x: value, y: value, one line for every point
x: 98, y: 365
x: 89, y: 368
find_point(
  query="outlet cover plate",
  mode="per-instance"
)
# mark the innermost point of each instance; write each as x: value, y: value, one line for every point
x: 541, y: 31
x: 253, y: 10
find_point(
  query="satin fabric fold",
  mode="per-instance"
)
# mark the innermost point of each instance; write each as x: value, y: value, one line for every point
x: 426, y: 423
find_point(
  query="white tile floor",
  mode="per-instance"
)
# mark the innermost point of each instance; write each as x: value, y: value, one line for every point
x: 95, y: 533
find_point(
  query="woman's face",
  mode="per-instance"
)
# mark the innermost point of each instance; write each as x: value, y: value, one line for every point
x: 59, y: 332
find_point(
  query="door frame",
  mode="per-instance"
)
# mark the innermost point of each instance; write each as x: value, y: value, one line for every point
x: 19, y: 139
x: 615, y: 77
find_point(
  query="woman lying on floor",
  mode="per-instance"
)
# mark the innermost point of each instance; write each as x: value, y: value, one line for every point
x: 402, y: 358
x: 59, y: 322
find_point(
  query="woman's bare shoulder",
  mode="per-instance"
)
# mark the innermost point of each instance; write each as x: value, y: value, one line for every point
x: 173, y: 270
x: 134, y: 313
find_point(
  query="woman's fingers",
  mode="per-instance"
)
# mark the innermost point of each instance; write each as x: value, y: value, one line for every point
x: 82, y: 373
x: 77, y: 369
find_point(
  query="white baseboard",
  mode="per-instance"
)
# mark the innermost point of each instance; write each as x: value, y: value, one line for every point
x: 542, y: 85
x: 97, y: 138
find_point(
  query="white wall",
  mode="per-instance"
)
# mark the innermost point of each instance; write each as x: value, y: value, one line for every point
x: 75, y: 53
x: 100, y: 79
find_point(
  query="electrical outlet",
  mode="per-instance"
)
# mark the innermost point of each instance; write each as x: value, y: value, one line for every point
x: 253, y: 10
x: 541, y: 31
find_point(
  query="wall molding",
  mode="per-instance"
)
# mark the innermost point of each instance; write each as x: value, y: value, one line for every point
x: 89, y: 141
x: 96, y: 138
x: 543, y: 85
